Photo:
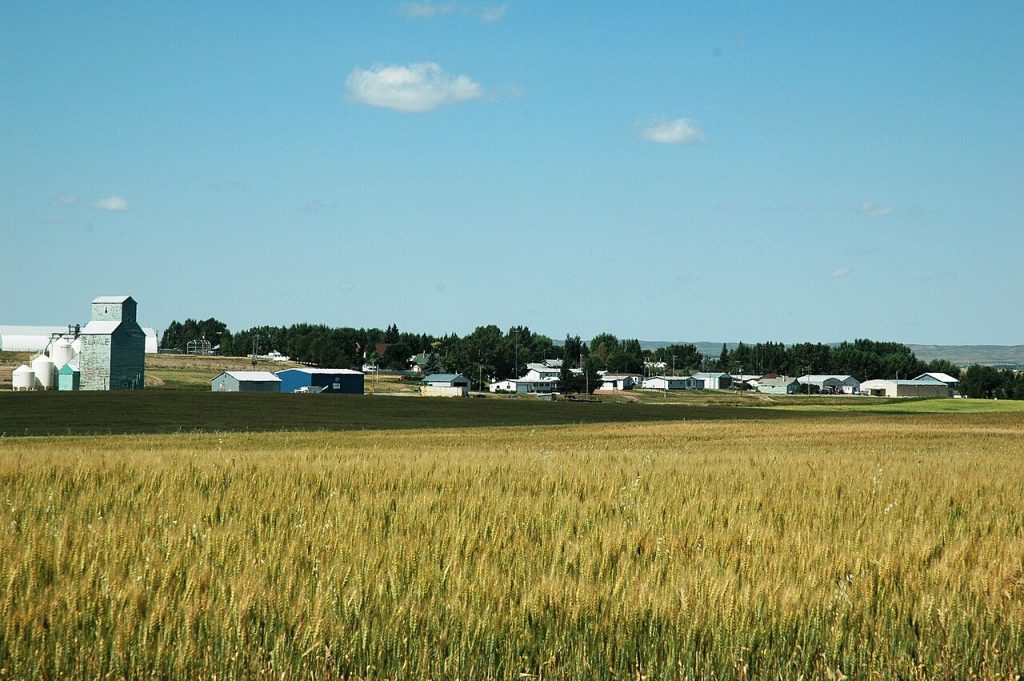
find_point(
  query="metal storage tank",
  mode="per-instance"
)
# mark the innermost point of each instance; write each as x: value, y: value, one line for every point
x: 24, y: 378
x: 42, y: 366
x: 61, y: 353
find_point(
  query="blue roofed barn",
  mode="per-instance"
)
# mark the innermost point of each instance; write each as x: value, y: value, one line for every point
x: 344, y: 381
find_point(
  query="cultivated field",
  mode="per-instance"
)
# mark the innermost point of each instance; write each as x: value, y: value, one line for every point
x: 784, y: 544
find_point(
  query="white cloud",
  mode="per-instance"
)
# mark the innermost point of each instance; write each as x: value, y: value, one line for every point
x: 410, y: 89
x: 489, y: 15
x: 426, y: 10
x: 679, y: 131
x: 874, y: 210
x: 841, y: 272
x: 113, y: 203
x: 66, y: 199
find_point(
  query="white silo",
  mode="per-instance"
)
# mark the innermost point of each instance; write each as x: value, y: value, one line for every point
x: 42, y: 366
x: 61, y: 353
x: 24, y: 378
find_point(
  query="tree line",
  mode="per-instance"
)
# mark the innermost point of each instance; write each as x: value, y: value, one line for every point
x: 489, y: 353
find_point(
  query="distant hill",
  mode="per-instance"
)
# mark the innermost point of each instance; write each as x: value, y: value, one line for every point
x: 961, y: 355
x: 965, y: 355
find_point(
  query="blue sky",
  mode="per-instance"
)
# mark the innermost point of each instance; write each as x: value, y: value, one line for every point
x: 666, y: 171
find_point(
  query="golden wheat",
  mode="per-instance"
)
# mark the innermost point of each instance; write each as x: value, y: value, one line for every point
x: 872, y: 546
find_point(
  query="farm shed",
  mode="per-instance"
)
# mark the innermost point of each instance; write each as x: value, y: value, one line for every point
x: 714, y: 380
x: 37, y: 338
x: 28, y: 338
x: 892, y: 388
x: 69, y: 377
x: 672, y: 383
x: 939, y: 377
x: 344, y: 381
x: 113, y: 355
x: 782, y: 385
x: 445, y: 385
x: 246, y: 382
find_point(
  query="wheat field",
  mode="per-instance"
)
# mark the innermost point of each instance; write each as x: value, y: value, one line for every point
x: 873, y: 546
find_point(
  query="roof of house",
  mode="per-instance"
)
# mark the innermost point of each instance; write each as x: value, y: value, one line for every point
x: 309, y: 370
x: 32, y: 330
x: 111, y: 299
x: 100, y: 328
x: 938, y: 376
x: 780, y: 380
x: 250, y: 376
x: 882, y: 381
x: 818, y: 378
x: 710, y: 374
x: 674, y: 378
x: 444, y: 378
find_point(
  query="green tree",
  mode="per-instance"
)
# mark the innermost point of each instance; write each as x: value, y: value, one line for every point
x: 982, y: 382
x: 682, y: 358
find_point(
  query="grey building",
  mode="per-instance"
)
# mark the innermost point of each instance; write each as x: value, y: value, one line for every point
x: 246, y: 382
x: 113, y: 355
x: 781, y: 385
x: 714, y: 380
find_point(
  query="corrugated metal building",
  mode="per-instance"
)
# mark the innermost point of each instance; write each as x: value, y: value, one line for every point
x: 714, y: 380
x: 28, y: 338
x: 37, y: 338
x: 113, y: 355
x: 891, y: 388
x: 673, y: 383
x: 938, y: 377
x: 344, y: 381
x: 246, y: 382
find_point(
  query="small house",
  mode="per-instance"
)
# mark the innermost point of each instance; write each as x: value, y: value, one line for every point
x: 672, y: 383
x: 619, y: 382
x: 536, y: 371
x: 781, y: 385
